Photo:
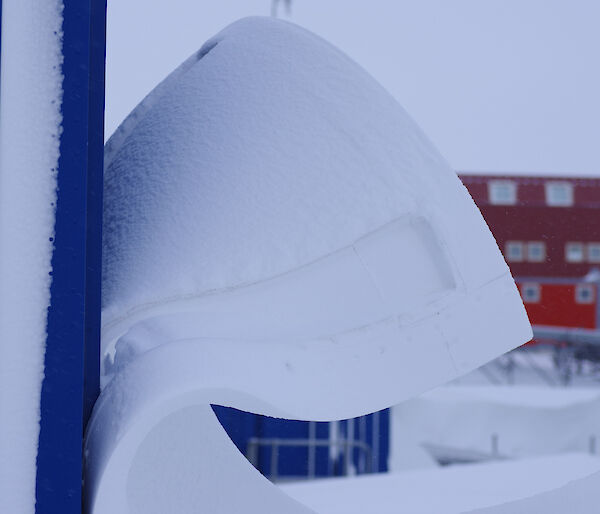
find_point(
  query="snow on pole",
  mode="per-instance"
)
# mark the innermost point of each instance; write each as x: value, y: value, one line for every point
x: 51, y: 113
x: 71, y: 381
x: 30, y: 120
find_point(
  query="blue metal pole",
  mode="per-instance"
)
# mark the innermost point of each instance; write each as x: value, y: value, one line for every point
x: 71, y: 380
x: 94, y: 207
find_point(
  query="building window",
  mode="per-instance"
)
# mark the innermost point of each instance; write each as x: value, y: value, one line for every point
x: 593, y: 252
x: 536, y: 251
x: 574, y: 252
x: 559, y: 194
x: 514, y: 251
x: 530, y: 293
x: 584, y: 293
x: 502, y: 192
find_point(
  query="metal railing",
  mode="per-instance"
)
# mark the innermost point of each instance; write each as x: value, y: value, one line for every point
x: 345, y: 447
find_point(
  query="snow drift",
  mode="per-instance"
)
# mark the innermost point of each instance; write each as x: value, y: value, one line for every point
x: 523, y: 421
x: 472, y: 488
x: 270, y: 190
x: 279, y: 237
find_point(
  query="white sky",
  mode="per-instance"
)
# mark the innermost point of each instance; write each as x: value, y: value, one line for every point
x: 498, y: 85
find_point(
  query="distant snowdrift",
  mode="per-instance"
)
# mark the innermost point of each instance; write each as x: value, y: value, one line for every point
x: 527, y: 421
x: 460, y: 489
x: 577, y: 497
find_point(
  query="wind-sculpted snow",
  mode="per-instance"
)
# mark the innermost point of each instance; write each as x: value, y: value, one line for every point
x: 279, y: 237
x: 269, y: 152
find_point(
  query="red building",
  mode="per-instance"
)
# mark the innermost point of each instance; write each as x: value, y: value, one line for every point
x: 548, y: 229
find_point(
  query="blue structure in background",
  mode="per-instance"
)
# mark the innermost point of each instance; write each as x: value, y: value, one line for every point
x: 72, y: 361
x: 282, y: 449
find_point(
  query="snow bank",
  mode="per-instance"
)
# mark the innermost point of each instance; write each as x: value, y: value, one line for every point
x: 247, y: 174
x: 271, y: 190
x: 154, y: 444
x: 280, y: 238
x: 524, y: 421
x: 580, y: 496
x: 455, y: 490
x: 30, y: 96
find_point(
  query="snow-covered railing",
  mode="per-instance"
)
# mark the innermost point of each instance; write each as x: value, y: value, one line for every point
x: 344, y: 447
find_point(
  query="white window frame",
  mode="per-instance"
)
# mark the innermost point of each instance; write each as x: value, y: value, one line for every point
x: 531, y: 292
x: 536, y: 244
x: 502, y: 192
x: 593, y: 248
x: 569, y: 256
x: 514, y: 244
x: 559, y: 193
x: 584, y: 293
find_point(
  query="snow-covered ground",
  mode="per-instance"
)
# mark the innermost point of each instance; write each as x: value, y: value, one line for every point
x: 470, y: 423
x: 532, y: 443
x: 450, y: 490
x: 532, y: 439
x: 536, y: 366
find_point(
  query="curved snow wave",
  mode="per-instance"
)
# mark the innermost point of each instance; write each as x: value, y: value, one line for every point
x: 271, y: 182
x: 369, y: 281
x: 280, y: 238
x: 270, y: 151
x: 172, y: 456
x: 157, y: 405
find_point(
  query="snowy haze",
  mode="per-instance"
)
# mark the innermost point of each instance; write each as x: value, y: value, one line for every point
x: 498, y: 85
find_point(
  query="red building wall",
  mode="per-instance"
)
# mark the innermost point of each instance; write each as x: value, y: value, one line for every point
x: 531, y: 219
x: 555, y: 226
x: 557, y: 307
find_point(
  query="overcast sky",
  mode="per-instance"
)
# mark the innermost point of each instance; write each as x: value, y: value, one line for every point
x: 498, y: 85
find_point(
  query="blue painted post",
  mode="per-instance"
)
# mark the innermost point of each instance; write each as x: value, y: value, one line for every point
x: 71, y: 381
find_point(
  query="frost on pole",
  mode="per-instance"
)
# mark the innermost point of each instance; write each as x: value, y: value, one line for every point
x: 30, y: 125
x: 280, y: 237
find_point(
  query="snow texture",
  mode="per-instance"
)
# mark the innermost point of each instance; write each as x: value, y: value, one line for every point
x: 267, y: 153
x: 247, y: 174
x: 457, y: 489
x: 279, y: 237
x: 577, y: 497
x: 30, y: 98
